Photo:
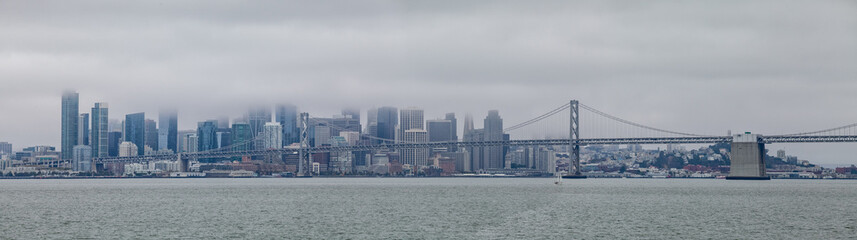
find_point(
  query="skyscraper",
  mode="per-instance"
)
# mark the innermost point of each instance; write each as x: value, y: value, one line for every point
x: 257, y: 117
x: 273, y: 135
x: 410, y: 118
x: 151, y: 135
x: 241, y: 136
x: 387, y: 120
x: 453, y: 131
x: 99, y: 137
x: 83, y: 129
x: 113, y: 141
x: 82, y: 159
x: 128, y: 149
x: 468, y: 123
x: 415, y: 156
x: 287, y: 116
x: 168, y: 130
x: 494, y: 157
x: 135, y: 131
x: 206, y: 133
x: 5, y: 147
x: 69, y: 123
x: 439, y: 130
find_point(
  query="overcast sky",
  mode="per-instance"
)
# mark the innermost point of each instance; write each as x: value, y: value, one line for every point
x: 769, y: 67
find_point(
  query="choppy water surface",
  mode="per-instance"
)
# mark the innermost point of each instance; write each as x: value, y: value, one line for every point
x: 427, y: 208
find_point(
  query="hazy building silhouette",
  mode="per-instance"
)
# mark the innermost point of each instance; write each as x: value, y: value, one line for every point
x: 69, y: 135
x: 168, y: 130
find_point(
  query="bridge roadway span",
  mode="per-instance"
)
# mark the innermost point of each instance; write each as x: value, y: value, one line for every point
x: 542, y: 142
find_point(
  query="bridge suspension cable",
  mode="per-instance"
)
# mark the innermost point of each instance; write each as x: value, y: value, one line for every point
x: 846, y: 127
x: 537, y: 119
x: 603, y: 114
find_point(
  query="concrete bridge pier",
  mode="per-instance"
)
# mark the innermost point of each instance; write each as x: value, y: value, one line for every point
x: 748, y: 158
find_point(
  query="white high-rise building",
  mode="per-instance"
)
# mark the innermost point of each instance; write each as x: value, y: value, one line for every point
x: 127, y: 149
x: 410, y: 118
x: 351, y: 137
x: 273, y: 135
x: 82, y: 158
x: 415, y: 157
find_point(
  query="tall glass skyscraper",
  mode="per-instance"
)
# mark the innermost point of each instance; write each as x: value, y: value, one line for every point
x: 168, y: 130
x: 241, y: 134
x: 287, y: 116
x: 151, y: 135
x: 206, y: 133
x: 83, y: 129
x: 135, y: 131
x: 99, y: 137
x: 387, y: 120
x: 70, y: 100
x: 494, y: 157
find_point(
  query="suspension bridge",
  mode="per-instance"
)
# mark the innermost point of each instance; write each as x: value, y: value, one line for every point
x: 559, y: 126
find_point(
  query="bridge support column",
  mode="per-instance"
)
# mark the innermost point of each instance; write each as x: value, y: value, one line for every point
x: 748, y: 158
x: 304, y: 158
x: 574, y: 142
x: 183, y: 162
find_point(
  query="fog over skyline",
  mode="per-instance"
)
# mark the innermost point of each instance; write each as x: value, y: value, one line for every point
x: 770, y: 67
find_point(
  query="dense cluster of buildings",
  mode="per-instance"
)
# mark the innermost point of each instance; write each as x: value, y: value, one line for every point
x: 86, y: 136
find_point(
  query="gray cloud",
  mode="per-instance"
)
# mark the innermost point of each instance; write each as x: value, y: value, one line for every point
x: 762, y: 66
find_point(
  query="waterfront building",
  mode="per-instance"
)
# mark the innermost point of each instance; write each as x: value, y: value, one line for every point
x: 99, y: 137
x: 287, y: 116
x: 475, y: 153
x: 128, y: 149
x: 151, y: 135
x: 82, y: 159
x: 83, y: 129
x: 273, y: 135
x: 135, y: 131
x: 168, y: 130
x: 69, y: 120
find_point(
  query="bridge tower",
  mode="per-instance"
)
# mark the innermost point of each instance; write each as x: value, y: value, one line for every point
x: 748, y: 158
x: 574, y: 141
x: 305, y: 162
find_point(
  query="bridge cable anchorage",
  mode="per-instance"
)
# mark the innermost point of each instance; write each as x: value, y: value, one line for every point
x: 539, y: 118
x: 846, y: 127
x: 593, y: 110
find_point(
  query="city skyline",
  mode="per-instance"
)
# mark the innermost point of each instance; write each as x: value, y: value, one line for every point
x: 690, y: 69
